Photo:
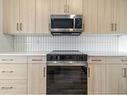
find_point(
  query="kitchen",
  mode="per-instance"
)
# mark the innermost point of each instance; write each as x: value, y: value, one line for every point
x: 36, y: 60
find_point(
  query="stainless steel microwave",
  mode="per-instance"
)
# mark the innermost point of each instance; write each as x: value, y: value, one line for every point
x: 66, y: 24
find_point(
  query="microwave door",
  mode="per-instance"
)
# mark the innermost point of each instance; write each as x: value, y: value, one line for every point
x: 62, y: 24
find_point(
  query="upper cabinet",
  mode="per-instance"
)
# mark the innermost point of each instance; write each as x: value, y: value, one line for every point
x: 33, y: 16
x: 11, y: 16
x: 90, y: 16
x: 19, y: 16
x: 122, y: 16
x: 66, y: 6
x: 106, y: 20
x: 101, y: 16
x: 42, y: 16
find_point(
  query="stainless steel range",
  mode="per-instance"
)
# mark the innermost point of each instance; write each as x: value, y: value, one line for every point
x: 67, y: 73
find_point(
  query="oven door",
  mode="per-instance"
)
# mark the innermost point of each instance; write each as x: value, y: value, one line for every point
x: 69, y: 80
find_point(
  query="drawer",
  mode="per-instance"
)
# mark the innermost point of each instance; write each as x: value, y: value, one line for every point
x: 13, y: 59
x: 96, y: 60
x: 37, y: 59
x: 13, y: 87
x: 122, y: 60
x: 13, y: 71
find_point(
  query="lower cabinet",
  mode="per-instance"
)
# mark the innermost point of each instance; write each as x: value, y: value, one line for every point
x: 13, y: 87
x: 97, y: 79
x: 13, y: 75
x: 107, y: 78
x: 22, y: 75
x: 36, y: 77
x: 123, y: 88
x: 113, y: 79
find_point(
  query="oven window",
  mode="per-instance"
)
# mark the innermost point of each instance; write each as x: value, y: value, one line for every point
x: 61, y: 23
x: 66, y: 80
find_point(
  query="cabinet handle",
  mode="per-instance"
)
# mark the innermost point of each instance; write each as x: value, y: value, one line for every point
x: 17, y: 26
x: 124, y: 73
x: 88, y: 72
x: 7, y: 71
x: 97, y: 60
x: 112, y: 27
x: 44, y: 71
x: 115, y: 27
x: 124, y: 60
x: 7, y: 59
x: 7, y: 87
x: 67, y: 8
x: 64, y: 9
x: 21, y: 27
x: 37, y: 60
x: 83, y: 27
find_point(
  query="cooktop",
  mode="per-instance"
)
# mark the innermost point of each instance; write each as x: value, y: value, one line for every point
x: 66, y: 55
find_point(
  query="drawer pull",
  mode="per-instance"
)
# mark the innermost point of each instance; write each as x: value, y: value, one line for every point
x: 37, y: 60
x: 97, y: 60
x: 88, y: 72
x: 124, y: 60
x: 7, y: 59
x: 7, y: 87
x: 7, y: 71
x: 124, y: 72
x: 44, y: 71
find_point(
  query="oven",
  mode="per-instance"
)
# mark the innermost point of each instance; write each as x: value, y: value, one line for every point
x: 66, y: 77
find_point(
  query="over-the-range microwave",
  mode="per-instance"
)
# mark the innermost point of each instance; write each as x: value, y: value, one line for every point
x: 66, y: 25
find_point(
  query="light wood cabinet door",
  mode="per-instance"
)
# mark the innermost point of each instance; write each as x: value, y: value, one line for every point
x: 10, y: 16
x: 123, y: 86
x: 13, y: 87
x: 105, y: 17
x: 75, y: 6
x: 13, y: 71
x: 36, y: 79
x: 113, y: 79
x: 27, y: 16
x: 42, y: 16
x: 19, y: 16
x: 96, y: 79
x: 58, y: 6
x: 122, y: 16
x: 90, y: 16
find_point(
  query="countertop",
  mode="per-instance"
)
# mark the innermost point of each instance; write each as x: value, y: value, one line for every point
x: 23, y: 53
x: 44, y: 53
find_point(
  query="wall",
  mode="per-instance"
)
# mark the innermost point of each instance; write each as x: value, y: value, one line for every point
x: 123, y: 43
x: 107, y: 43
x: 6, y: 42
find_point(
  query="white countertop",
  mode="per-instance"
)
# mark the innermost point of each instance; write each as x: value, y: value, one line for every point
x: 106, y: 53
x: 23, y: 53
x: 44, y: 53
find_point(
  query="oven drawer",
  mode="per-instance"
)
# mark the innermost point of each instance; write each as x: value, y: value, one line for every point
x: 13, y: 71
x: 13, y: 87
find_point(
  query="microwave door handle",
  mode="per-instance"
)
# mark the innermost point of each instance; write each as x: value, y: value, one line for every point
x: 74, y: 24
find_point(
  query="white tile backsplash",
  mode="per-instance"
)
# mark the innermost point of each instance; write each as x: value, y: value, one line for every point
x: 83, y: 43
x: 123, y: 43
